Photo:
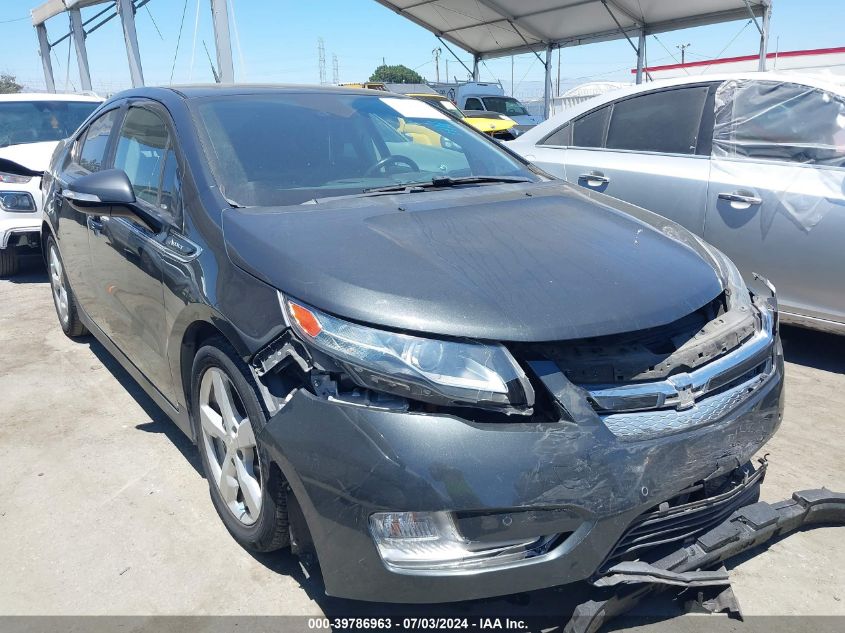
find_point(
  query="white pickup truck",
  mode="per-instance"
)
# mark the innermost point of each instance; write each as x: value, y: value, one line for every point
x: 31, y: 125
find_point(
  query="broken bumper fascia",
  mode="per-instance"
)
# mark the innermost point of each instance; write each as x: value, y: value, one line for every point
x: 504, y: 481
x: 747, y: 528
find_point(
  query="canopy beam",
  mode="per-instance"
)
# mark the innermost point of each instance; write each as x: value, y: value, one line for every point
x: 222, y: 41
x: 126, y: 10
x: 46, y: 62
x: 78, y: 34
x: 547, y: 86
x: 764, y: 37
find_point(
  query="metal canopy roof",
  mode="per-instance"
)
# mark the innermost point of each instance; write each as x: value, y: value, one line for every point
x: 494, y: 28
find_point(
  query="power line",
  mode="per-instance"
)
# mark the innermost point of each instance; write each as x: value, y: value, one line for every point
x: 14, y: 20
x: 150, y: 13
x: 194, y: 44
x: 238, y: 39
x: 728, y: 45
x: 178, y: 39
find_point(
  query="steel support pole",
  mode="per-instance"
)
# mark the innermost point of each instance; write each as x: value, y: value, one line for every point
x: 78, y: 34
x: 127, y: 19
x: 547, y: 91
x: 764, y: 37
x: 475, y: 61
x: 640, y: 56
x: 222, y: 41
x: 44, y: 51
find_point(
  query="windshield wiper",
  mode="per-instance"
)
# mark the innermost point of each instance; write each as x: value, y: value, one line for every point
x: 447, y: 181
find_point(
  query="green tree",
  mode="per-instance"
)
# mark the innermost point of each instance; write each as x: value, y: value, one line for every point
x: 397, y: 74
x: 8, y: 84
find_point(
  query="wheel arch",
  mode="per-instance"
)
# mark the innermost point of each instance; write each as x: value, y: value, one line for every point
x: 196, y: 325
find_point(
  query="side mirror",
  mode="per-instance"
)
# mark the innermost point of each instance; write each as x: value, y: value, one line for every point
x: 108, y: 193
x: 101, y: 189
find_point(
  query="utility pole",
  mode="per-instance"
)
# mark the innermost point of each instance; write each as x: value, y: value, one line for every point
x: 321, y: 54
x: 511, y: 75
x: 436, y: 52
x: 683, y: 48
x: 335, y: 70
x: 447, y: 69
x: 557, y: 90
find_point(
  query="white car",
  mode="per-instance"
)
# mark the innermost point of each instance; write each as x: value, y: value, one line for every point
x: 754, y: 163
x: 31, y: 125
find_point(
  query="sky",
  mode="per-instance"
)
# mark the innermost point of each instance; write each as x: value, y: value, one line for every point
x: 276, y: 41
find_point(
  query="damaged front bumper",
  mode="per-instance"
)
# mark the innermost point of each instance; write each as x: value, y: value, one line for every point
x: 575, y: 483
x: 746, y: 528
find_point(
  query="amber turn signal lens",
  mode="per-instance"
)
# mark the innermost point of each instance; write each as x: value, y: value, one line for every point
x: 306, y: 319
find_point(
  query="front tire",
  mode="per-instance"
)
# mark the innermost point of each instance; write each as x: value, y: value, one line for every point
x: 63, y: 297
x: 8, y: 262
x: 227, y: 417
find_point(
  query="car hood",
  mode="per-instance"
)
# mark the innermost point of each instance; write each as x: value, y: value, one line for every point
x: 33, y: 156
x: 535, y: 262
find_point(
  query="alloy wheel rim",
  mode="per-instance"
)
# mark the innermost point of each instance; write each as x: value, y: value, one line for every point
x: 229, y: 444
x: 57, y: 283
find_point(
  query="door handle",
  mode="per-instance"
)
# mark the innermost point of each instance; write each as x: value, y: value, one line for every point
x: 95, y: 224
x: 741, y: 199
x: 594, y: 179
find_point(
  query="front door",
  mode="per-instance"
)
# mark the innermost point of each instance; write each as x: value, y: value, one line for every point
x: 649, y: 149
x: 776, y: 201
x: 127, y: 255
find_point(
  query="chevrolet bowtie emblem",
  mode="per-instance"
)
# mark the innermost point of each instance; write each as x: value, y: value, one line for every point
x: 686, y: 396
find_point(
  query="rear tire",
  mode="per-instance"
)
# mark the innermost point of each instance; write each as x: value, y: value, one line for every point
x: 228, y: 417
x: 8, y: 262
x: 63, y: 298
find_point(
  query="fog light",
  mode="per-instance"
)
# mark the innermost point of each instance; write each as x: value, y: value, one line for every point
x: 418, y: 541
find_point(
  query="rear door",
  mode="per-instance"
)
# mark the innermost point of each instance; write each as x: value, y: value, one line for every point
x: 88, y: 154
x: 129, y: 256
x: 776, y: 204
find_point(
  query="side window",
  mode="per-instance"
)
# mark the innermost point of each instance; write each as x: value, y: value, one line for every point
x: 143, y: 148
x: 473, y: 104
x: 588, y: 131
x: 779, y: 121
x: 667, y: 121
x: 94, y: 141
x: 562, y: 137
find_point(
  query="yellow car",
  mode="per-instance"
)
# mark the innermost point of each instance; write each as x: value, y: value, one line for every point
x: 493, y: 124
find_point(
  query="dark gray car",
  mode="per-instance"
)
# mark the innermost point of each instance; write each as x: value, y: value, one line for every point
x: 444, y: 374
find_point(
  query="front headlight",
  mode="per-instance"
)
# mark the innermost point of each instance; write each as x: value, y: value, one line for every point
x: 16, y: 201
x: 429, y: 370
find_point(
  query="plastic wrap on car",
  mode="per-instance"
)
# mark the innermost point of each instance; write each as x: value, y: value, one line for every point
x: 804, y: 195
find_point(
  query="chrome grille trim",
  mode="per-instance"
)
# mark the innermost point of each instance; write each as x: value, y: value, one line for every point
x: 681, y: 391
x: 651, y: 424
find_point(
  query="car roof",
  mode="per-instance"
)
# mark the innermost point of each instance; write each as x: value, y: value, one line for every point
x: 815, y: 80
x: 49, y: 96
x: 194, y: 91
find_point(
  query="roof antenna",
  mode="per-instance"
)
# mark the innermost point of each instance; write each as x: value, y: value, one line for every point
x: 211, y: 63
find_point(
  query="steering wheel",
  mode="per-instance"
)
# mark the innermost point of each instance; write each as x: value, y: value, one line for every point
x: 395, y: 159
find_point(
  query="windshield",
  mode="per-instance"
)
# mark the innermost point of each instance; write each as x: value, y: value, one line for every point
x: 505, y: 105
x: 36, y: 121
x: 282, y: 149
